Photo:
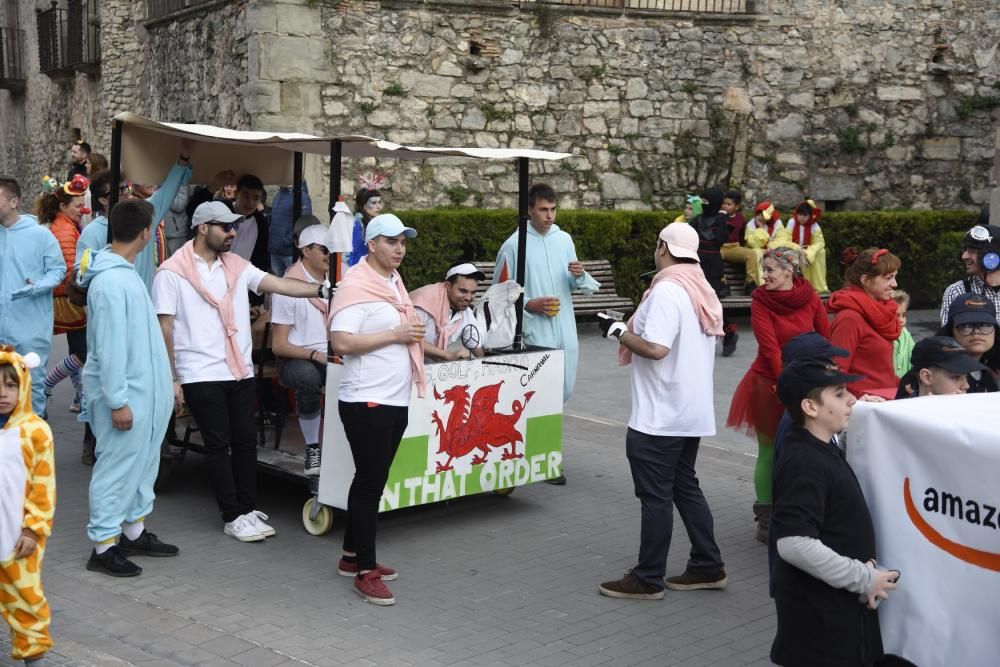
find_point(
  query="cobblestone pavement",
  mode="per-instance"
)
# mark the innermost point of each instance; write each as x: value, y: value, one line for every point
x: 483, y: 580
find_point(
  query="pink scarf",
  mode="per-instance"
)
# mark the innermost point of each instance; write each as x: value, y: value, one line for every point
x: 434, y: 300
x: 183, y: 264
x: 298, y: 272
x: 703, y: 297
x: 363, y: 284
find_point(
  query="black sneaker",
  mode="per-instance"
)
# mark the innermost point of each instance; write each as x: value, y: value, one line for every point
x: 147, y: 544
x: 729, y: 343
x: 89, y: 456
x: 312, y: 460
x: 557, y: 481
x: 113, y: 562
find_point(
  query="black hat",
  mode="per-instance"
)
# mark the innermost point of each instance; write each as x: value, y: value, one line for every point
x: 802, y: 376
x: 972, y: 308
x: 810, y: 346
x: 981, y: 236
x: 943, y: 352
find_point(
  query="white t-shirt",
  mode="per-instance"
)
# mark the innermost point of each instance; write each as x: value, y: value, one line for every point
x: 673, y: 396
x: 384, y: 375
x: 463, y: 317
x: 199, y: 337
x: 307, y: 324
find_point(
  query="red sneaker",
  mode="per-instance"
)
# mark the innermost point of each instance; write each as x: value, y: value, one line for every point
x: 346, y: 569
x: 370, y: 587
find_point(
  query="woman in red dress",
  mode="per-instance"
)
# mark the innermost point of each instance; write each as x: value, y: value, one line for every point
x: 864, y: 320
x: 784, y: 307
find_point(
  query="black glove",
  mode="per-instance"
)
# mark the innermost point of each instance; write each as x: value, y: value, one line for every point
x: 610, y: 327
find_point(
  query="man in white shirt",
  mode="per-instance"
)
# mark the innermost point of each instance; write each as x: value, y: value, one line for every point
x: 377, y: 331
x: 671, y: 343
x: 299, y: 340
x: 446, y: 311
x: 200, y: 297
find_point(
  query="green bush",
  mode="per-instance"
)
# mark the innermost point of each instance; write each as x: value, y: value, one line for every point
x: 927, y: 241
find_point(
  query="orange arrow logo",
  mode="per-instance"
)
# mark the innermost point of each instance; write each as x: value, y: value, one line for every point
x: 984, y: 559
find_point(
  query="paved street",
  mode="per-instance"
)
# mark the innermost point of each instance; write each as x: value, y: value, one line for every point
x: 483, y: 580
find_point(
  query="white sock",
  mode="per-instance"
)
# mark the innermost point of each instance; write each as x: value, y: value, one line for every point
x: 310, y: 429
x: 101, y: 547
x: 133, y: 530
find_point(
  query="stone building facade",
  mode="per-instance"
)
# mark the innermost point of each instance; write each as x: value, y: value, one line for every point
x: 858, y: 103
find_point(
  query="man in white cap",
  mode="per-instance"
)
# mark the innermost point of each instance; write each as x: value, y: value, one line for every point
x: 200, y: 296
x: 446, y: 311
x: 670, y: 344
x: 374, y: 326
x: 298, y: 339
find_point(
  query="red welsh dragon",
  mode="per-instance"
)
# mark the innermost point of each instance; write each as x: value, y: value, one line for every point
x: 477, y: 425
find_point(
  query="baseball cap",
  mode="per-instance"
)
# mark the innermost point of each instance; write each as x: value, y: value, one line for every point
x: 802, y: 376
x: 387, y: 224
x: 971, y: 308
x: 943, y: 352
x: 465, y: 269
x: 681, y: 240
x: 213, y: 211
x: 810, y: 346
x: 313, y: 235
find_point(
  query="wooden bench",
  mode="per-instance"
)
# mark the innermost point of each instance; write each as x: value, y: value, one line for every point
x: 739, y: 291
x: 605, y: 298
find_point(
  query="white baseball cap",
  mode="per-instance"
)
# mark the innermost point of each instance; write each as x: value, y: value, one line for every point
x: 387, y: 224
x: 213, y: 211
x: 466, y: 269
x: 681, y: 240
x: 313, y: 235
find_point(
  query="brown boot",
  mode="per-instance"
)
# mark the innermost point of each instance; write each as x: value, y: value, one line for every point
x: 762, y: 512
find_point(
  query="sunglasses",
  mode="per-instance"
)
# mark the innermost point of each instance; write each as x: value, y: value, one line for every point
x: 322, y: 248
x: 980, y: 234
x: 983, y: 328
x: 226, y: 226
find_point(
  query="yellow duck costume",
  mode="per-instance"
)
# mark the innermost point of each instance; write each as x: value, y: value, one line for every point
x: 27, y: 504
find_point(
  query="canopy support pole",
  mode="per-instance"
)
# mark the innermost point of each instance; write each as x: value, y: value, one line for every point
x: 297, y: 187
x: 116, y: 171
x: 522, y: 241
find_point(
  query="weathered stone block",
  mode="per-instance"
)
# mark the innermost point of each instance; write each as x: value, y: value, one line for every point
x: 448, y: 68
x: 789, y: 127
x: 334, y: 108
x: 299, y: 20
x: 941, y: 148
x: 383, y: 117
x: 899, y: 93
x: 640, y: 108
x: 425, y: 85
x: 835, y: 187
x: 473, y: 119
x: 300, y: 98
x: 292, y: 58
x: 617, y: 186
x: 636, y: 89
x: 261, y: 97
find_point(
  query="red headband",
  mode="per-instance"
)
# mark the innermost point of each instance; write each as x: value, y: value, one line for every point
x: 878, y: 253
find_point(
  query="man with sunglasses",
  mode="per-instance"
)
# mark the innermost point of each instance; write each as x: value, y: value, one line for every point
x: 201, y: 298
x: 978, y: 241
x: 298, y: 339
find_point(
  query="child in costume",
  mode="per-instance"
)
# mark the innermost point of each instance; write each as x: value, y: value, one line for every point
x: 902, y: 347
x: 27, y: 504
x: 803, y: 232
x: 761, y: 231
x: 692, y: 208
x: 734, y: 250
x: 367, y: 205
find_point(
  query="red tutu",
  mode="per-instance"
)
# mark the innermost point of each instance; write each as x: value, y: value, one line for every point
x: 755, y: 406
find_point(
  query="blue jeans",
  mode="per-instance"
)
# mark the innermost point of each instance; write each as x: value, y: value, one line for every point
x: 280, y: 264
x: 664, y: 476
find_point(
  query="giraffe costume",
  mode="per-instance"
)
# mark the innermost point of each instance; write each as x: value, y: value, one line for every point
x: 27, y: 503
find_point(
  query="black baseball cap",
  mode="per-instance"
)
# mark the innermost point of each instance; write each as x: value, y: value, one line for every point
x: 943, y: 352
x: 800, y: 377
x: 810, y: 346
x: 972, y: 308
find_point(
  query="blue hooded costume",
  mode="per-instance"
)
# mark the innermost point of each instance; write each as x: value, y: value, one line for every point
x: 31, y: 266
x: 127, y: 364
x: 547, y: 274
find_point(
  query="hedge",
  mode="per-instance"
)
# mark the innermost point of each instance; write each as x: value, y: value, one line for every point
x: 928, y: 242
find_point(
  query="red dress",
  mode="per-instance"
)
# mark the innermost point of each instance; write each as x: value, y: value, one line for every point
x: 866, y: 328
x: 776, y: 317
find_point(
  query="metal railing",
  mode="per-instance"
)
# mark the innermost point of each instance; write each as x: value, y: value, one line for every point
x: 159, y: 8
x: 69, y: 39
x: 11, y: 56
x: 701, y: 6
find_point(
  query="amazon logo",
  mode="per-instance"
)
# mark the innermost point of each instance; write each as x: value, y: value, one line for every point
x: 950, y: 505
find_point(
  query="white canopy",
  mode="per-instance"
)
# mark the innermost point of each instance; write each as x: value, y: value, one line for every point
x: 150, y: 147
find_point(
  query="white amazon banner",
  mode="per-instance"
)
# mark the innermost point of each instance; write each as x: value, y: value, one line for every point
x: 928, y: 468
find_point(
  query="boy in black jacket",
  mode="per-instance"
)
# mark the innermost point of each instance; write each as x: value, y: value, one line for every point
x: 712, y: 226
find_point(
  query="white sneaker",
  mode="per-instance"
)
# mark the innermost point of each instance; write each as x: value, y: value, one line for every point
x: 256, y: 517
x: 244, y: 529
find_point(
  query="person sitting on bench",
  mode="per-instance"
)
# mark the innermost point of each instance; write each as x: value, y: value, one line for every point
x: 445, y: 308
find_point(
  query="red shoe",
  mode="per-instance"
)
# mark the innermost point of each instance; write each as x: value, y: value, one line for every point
x: 370, y: 587
x: 346, y: 569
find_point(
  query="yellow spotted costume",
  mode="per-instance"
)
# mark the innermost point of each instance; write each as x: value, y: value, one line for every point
x: 27, y: 499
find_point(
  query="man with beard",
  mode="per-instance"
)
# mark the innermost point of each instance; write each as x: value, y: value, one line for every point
x: 713, y: 231
x: 977, y: 240
x: 200, y: 296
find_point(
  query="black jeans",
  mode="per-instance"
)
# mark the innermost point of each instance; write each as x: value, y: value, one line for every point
x: 664, y: 476
x: 223, y: 412
x: 76, y: 341
x: 374, y: 434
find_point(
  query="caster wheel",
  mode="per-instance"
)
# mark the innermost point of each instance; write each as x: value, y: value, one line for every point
x: 323, y: 522
x: 504, y: 492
